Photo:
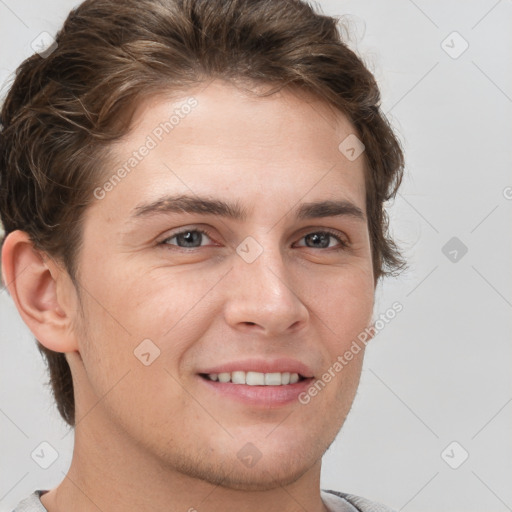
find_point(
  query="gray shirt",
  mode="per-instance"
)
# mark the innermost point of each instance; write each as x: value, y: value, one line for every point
x: 334, y: 501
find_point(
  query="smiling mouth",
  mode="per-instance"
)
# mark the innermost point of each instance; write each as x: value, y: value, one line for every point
x: 255, y: 378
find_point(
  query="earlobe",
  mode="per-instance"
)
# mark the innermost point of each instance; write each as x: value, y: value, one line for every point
x: 39, y: 288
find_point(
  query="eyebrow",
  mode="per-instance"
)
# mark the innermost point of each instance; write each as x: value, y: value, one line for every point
x: 234, y: 210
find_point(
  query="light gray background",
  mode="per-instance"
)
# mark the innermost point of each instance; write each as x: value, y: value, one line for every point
x: 440, y: 371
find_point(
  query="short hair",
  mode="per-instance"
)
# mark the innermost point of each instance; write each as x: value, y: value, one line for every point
x: 65, y: 109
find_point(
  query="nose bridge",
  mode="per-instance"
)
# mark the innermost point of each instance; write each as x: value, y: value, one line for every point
x: 264, y: 266
x: 261, y: 289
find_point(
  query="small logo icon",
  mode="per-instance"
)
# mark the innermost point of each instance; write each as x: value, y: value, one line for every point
x: 352, y: 147
x: 454, y: 249
x: 44, y: 44
x: 44, y: 455
x: 454, y: 45
x: 146, y: 352
x: 249, y: 249
x: 454, y: 455
x: 249, y: 455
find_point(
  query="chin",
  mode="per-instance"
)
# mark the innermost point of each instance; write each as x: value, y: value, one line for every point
x: 231, y: 473
x: 280, y: 457
x: 262, y: 479
x: 251, y: 479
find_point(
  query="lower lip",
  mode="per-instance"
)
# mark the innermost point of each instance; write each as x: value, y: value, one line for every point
x: 264, y: 396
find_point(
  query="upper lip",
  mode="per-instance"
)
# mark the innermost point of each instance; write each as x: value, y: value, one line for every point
x: 281, y: 365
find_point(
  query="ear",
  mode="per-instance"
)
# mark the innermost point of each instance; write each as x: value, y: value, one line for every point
x: 42, y: 291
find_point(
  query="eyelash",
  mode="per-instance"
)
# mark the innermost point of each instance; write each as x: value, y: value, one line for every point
x: 343, y: 243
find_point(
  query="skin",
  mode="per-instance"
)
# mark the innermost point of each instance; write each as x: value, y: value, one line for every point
x: 155, y: 437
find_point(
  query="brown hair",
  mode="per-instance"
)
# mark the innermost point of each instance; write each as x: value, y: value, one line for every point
x: 64, y: 108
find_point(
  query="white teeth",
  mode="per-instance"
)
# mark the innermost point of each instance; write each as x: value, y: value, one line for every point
x: 238, y: 377
x: 272, y: 379
x: 224, y: 377
x: 256, y: 378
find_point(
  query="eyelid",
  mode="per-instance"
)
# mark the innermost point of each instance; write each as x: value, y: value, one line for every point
x: 333, y: 232
x: 339, y: 236
x: 180, y: 231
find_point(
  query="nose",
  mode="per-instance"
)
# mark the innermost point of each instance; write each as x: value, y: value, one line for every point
x: 263, y: 297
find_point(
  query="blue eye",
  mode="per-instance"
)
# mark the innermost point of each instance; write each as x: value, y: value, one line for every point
x: 192, y: 238
x: 189, y: 238
x: 322, y: 239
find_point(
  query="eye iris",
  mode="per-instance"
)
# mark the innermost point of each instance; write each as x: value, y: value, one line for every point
x: 192, y: 238
x: 189, y: 238
x: 322, y: 237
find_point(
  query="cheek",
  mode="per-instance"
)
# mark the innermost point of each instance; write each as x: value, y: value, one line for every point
x: 350, y: 314
x: 128, y: 369
x: 173, y: 306
x: 164, y: 310
x: 344, y: 304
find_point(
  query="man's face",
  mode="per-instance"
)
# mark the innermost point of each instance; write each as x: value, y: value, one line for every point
x: 291, y: 298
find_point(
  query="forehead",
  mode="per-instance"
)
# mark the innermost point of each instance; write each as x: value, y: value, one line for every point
x: 221, y: 112
x: 218, y: 139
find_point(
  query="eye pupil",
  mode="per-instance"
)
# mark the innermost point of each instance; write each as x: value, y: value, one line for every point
x: 189, y: 237
x: 322, y: 237
x: 193, y: 238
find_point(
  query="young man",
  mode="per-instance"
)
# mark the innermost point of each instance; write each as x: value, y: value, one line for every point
x: 192, y: 194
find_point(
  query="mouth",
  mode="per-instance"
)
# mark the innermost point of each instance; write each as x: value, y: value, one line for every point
x: 251, y: 378
x: 257, y: 383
